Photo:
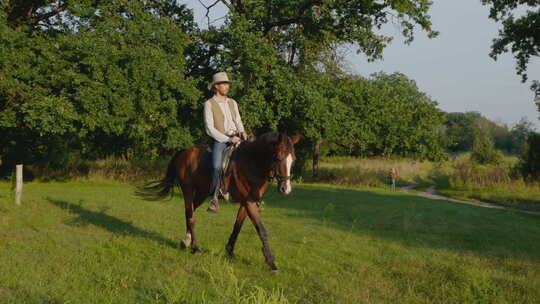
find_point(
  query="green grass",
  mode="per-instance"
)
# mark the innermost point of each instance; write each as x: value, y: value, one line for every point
x: 94, y: 242
x: 525, y: 198
x: 458, y: 178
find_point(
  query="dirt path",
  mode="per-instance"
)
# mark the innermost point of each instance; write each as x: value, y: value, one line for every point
x: 430, y: 193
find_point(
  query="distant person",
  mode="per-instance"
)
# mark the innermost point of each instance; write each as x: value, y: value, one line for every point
x: 392, y: 175
x: 223, y: 123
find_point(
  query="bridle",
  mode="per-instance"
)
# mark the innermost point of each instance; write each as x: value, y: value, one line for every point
x: 279, y: 177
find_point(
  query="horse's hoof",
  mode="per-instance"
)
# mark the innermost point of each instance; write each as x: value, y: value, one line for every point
x: 273, y: 268
x: 183, y: 244
x: 196, y: 250
x: 230, y: 251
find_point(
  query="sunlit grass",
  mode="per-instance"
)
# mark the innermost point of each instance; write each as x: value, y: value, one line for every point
x: 94, y: 242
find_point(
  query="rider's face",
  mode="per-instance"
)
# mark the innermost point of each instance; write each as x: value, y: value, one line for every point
x: 222, y: 88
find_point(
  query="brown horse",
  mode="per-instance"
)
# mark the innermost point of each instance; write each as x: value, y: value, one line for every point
x: 252, y: 165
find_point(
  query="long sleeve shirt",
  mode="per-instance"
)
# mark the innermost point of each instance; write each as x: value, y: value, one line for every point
x: 230, y: 124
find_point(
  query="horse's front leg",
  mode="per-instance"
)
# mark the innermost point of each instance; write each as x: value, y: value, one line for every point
x: 240, y: 216
x: 253, y: 213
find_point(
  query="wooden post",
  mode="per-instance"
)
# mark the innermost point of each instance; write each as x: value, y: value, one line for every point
x: 19, y: 185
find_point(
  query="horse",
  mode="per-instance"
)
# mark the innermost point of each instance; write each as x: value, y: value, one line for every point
x: 253, y: 164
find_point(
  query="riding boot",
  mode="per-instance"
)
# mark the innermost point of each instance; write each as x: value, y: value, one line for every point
x: 213, y: 207
x: 223, y: 192
x: 220, y: 193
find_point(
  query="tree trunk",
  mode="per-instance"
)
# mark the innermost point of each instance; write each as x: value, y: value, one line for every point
x: 316, y: 153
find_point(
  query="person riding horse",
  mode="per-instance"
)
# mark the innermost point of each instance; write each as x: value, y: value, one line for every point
x: 269, y: 156
x: 223, y: 123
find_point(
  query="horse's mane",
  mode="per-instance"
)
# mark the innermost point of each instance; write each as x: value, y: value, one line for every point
x: 265, y: 140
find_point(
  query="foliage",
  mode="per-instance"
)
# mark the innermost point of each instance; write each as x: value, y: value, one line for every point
x: 519, y: 134
x: 392, y: 117
x: 93, y: 79
x: 300, y: 30
x: 463, y: 127
x: 518, y: 34
x: 530, y: 160
x: 484, y: 152
x: 114, y: 84
x: 283, y: 56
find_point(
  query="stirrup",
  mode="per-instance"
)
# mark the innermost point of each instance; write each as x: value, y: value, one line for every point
x: 224, y: 195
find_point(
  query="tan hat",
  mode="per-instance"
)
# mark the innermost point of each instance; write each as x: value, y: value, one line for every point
x: 217, y: 78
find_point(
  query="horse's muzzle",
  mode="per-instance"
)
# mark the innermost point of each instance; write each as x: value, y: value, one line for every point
x: 285, y: 187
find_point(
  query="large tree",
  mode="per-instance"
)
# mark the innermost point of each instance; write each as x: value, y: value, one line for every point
x: 109, y: 77
x: 284, y: 52
x: 520, y: 33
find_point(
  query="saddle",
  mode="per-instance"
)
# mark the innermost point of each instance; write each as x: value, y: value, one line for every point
x: 225, y: 159
x: 225, y: 167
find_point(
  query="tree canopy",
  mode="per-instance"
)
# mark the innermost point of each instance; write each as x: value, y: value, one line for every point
x: 519, y: 34
x: 92, y: 78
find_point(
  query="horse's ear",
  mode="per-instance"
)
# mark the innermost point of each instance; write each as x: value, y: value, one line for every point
x: 296, y: 137
x: 280, y: 138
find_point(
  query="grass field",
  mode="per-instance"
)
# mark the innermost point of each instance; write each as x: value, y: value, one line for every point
x: 94, y: 242
x: 459, y: 178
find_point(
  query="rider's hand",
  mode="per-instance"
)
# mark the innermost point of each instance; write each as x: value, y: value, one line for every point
x: 234, y: 139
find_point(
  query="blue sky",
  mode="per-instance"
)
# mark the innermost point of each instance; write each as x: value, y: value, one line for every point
x: 455, y: 68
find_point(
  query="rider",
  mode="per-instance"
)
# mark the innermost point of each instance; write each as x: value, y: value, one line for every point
x: 223, y: 123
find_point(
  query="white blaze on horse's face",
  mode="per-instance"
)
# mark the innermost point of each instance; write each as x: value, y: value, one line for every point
x: 288, y: 164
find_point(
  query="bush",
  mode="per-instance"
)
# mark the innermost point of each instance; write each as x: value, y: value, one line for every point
x: 530, y: 159
x: 484, y: 152
x: 468, y: 174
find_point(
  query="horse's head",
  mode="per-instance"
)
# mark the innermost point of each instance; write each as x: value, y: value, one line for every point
x: 284, y: 158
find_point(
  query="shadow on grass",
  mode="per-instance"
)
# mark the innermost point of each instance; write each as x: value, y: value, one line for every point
x: 110, y: 223
x: 416, y: 221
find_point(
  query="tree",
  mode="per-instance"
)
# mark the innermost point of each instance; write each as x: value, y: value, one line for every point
x: 393, y: 117
x: 530, y: 159
x: 461, y: 130
x: 483, y: 150
x: 111, y: 81
x: 301, y: 28
x: 464, y: 128
x: 519, y: 134
x: 282, y: 51
x: 520, y: 35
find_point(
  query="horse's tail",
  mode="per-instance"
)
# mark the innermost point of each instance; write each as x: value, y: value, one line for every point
x: 160, y: 189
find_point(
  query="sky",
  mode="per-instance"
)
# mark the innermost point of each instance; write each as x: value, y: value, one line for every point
x: 454, y: 69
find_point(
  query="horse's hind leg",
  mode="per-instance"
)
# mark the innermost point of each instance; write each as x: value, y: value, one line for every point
x: 197, y: 201
x: 253, y: 212
x: 240, y: 216
x: 190, y: 240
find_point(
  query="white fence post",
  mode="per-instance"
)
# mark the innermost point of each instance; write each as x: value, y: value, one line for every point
x: 19, y: 185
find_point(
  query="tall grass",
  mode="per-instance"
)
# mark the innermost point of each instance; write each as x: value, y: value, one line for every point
x: 467, y: 173
x: 113, y: 168
x: 459, y: 177
x: 369, y: 172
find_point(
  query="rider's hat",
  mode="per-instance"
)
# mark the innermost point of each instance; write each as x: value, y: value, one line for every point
x: 218, y: 78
